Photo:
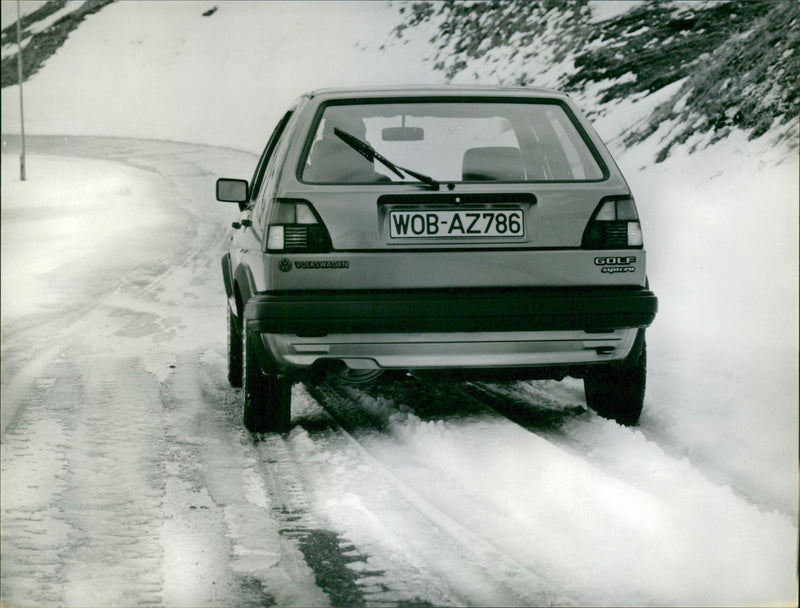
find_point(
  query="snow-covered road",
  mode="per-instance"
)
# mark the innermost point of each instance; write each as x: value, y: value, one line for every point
x: 128, y: 479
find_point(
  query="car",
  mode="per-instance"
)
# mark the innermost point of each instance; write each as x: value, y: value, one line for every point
x: 473, y: 232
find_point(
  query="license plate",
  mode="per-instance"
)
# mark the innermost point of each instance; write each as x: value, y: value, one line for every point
x: 451, y: 223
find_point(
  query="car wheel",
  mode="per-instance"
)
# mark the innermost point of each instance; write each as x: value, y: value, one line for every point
x: 267, y: 397
x: 617, y: 393
x: 234, y: 352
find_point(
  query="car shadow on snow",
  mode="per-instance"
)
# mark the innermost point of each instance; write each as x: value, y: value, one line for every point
x: 531, y: 413
x: 370, y: 406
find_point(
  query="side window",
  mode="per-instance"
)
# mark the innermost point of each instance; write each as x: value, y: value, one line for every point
x: 269, y: 179
x: 261, y: 167
x: 581, y: 164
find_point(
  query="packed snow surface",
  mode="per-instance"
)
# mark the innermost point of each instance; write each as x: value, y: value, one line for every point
x: 119, y: 429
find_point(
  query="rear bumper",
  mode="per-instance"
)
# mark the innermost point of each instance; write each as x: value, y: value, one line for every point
x: 454, y: 350
x: 592, y: 309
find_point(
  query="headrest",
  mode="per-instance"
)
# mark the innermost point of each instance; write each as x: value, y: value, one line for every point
x: 494, y: 163
x: 334, y: 161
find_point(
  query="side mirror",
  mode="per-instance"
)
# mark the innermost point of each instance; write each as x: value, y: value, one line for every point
x: 232, y: 190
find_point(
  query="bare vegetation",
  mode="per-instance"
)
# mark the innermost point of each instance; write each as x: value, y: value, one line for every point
x: 39, y: 46
x: 735, y: 63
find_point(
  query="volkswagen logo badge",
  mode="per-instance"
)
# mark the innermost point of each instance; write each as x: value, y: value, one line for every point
x: 285, y: 265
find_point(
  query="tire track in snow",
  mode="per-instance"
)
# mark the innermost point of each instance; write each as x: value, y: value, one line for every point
x: 34, y: 473
x: 475, y: 570
x: 310, y: 561
x: 323, y: 550
x: 214, y: 466
x: 113, y: 503
x: 80, y: 525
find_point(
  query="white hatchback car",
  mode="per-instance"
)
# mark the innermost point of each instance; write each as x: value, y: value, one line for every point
x: 485, y: 231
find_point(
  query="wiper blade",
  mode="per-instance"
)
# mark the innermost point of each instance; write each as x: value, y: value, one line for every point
x: 366, y: 150
x: 426, y: 179
x: 371, y: 154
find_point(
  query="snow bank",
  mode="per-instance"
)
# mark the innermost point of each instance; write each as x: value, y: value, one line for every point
x: 722, y: 236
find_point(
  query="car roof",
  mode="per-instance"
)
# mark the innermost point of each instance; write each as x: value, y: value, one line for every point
x: 434, y: 91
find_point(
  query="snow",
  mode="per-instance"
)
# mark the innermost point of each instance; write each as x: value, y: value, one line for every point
x: 698, y: 505
x: 608, y: 9
x: 8, y: 10
x: 584, y: 529
x: 223, y: 80
x: 55, y: 222
x: 722, y: 238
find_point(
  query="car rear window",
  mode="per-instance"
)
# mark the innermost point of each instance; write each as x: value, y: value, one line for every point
x: 451, y: 141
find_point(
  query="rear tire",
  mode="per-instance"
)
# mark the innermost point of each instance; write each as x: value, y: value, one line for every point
x: 234, y: 352
x: 617, y: 393
x: 267, y: 397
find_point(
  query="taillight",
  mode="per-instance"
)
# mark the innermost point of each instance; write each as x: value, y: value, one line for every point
x: 295, y: 227
x: 614, y: 225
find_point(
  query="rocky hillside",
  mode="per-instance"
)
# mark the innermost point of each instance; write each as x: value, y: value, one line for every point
x: 43, y: 31
x: 731, y: 64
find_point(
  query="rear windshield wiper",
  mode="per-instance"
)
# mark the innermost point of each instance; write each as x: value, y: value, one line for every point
x: 371, y: 154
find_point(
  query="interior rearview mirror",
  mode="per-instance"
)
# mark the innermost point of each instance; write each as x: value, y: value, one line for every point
x: 232, y: 190
x: 403, y: 134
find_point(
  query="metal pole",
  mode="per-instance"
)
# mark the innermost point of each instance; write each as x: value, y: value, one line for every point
x: 21, y: 111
